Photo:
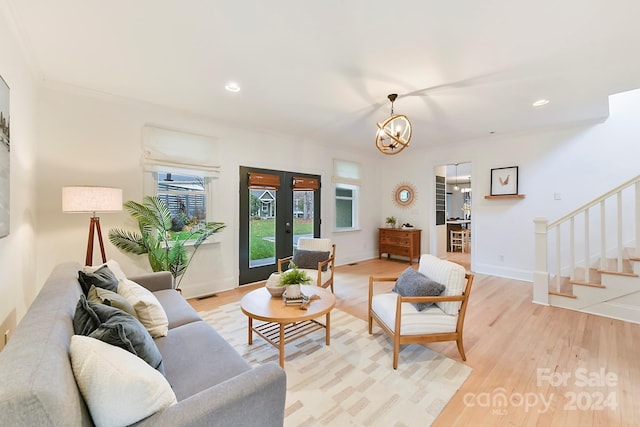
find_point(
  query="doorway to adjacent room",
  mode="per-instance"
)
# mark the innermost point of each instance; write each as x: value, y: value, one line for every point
x: 454, y: 222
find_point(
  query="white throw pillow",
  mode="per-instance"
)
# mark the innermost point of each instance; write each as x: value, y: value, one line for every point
x: 450, y: 274
x: 118, y: 387
x: 148, y: 309
x: 113, y: 266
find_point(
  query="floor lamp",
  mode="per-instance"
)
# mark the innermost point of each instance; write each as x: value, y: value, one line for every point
x: 85, y: 199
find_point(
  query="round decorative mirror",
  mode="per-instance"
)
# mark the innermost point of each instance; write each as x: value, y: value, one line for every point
x: 404, y: 195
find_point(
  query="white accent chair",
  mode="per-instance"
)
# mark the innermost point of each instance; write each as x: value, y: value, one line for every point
x: 442, y: 321
x: 320, y: 278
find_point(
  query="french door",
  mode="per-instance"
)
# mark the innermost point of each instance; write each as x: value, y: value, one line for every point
x: 276, y: 209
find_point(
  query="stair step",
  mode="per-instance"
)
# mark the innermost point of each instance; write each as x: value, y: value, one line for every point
x: 579, y: 275
x: 593, y: 285
x: 634, y: 259
x: 611, y: 264
x: 618, y: 273
x: 562, y: 294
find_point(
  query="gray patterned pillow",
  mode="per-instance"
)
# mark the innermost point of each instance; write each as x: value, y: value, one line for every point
x: 118, y: 328
x: 101, y: 278
x: 309, y: 259
x: 412, y: 283
x: 112, y: 299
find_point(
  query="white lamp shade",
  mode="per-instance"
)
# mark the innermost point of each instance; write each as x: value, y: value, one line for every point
x: 91, y: 199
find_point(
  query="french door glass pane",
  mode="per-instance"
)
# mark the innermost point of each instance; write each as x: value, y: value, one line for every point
x: 262, y: 227
x: 302, y: 215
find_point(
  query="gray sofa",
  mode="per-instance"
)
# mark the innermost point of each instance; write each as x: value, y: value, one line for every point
x: 214, y: 386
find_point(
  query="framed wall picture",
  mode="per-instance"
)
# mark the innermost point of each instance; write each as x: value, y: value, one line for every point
x: 4, y: 158
x: 504, y: 181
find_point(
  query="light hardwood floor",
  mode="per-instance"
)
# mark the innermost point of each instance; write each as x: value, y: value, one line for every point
x: 554, y: 366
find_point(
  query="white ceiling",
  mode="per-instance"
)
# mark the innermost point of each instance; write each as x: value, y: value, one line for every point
x: 323, y: 69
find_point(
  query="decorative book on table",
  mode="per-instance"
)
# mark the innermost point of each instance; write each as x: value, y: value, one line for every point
x: 295, y: 301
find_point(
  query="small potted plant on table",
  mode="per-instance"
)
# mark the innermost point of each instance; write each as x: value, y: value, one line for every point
x: 391, y: 221
x: 292, y: 279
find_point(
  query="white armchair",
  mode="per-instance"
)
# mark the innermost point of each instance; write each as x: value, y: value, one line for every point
x: 442, y: 321
x: 318, y: 263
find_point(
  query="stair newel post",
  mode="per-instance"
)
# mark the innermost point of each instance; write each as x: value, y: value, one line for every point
x: 619, y: 231
x: 541, y: 273
x: 572, y: 248
x: 558, y: 258
x: 603, y: 236
x: 587, y: 250
x: 637, y: 242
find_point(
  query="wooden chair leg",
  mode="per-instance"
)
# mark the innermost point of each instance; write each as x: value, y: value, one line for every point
x: 370, y: 324
x: 396, y: 350
x: 461, y: 348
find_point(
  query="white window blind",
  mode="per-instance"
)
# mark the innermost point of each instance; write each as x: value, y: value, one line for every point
x: 346, y: 172
x: 165, y: 150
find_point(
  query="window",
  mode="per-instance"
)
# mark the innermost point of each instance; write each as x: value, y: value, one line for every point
x: 188, y: 195
x: 182, y: 170
x: 346, y: 206
x: 185, y: 196
x: 346, y: 176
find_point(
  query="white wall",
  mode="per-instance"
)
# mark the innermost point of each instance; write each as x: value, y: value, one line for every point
x: 579, y: 162
x: 89, y: 140
x: 17, y: 251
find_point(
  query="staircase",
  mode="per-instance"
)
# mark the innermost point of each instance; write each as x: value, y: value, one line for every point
x: 587, y: 260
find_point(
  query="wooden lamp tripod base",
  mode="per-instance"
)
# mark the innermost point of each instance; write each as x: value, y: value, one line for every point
x: 94, y: 225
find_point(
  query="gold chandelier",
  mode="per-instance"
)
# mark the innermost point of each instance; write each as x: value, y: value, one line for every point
x: 394, y: 133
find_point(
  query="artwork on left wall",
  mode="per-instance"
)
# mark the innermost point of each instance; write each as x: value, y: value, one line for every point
x: 5, y: 147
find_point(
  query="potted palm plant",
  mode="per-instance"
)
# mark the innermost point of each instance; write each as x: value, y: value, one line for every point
x: 166, y: 252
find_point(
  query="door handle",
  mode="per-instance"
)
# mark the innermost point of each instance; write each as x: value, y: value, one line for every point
x: 288, y: 227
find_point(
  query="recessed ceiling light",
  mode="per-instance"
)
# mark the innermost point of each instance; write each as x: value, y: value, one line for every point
x: 540, y: 102
x: 232, y: 87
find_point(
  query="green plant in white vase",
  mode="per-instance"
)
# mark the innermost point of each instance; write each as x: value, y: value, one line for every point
x: 292, y: 279
x: 391, y: 221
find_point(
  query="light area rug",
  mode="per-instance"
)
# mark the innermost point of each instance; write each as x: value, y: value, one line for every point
x: 352, y: 381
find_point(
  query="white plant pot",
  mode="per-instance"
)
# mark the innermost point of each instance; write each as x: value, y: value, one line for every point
x: 293, y: 291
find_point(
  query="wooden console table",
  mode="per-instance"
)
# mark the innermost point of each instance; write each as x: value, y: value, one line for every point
x: 399, y: 241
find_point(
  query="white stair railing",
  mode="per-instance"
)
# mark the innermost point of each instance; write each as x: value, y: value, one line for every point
x: 564, y: 254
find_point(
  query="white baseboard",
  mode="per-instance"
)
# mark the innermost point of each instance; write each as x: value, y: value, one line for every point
x: 201, y: 289
x: 508, y: 273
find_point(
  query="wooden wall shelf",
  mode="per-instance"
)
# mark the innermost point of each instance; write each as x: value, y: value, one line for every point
x: 506, y: 196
